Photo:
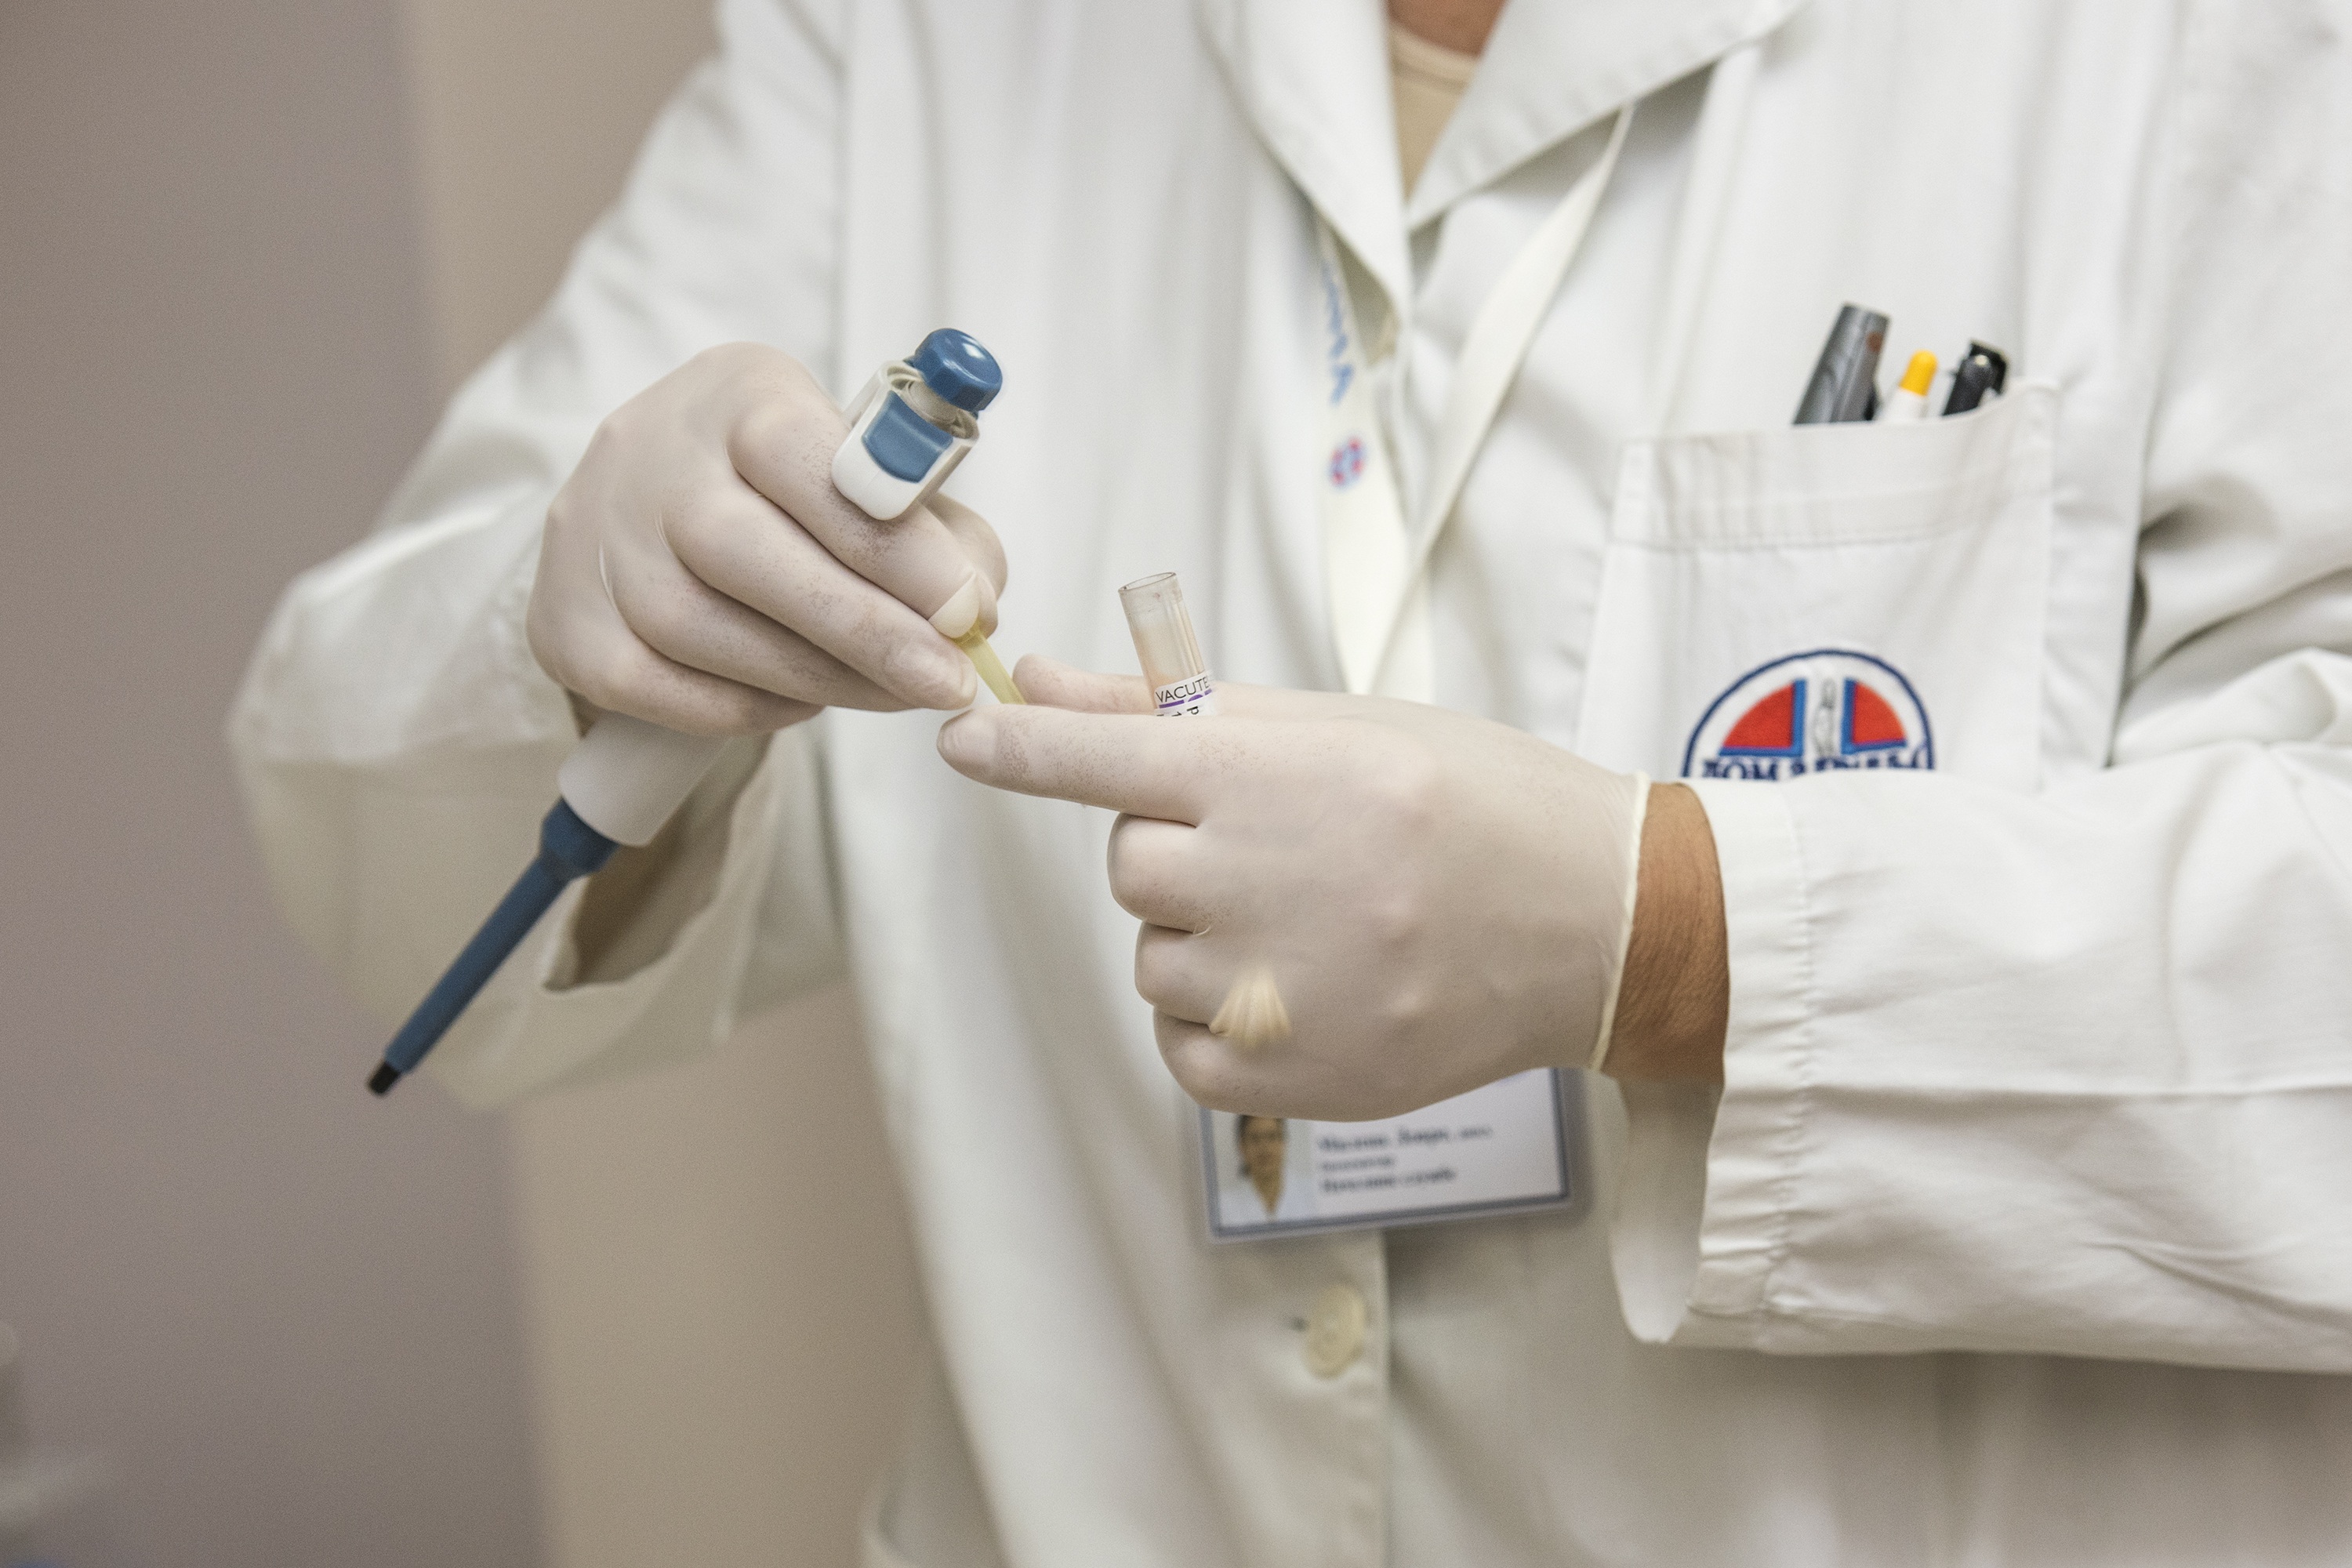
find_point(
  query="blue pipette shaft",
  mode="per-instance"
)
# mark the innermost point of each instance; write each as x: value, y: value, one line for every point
x: 568, y: 849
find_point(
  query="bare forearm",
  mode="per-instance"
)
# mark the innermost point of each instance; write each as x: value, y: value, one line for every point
x: 1676, y: 997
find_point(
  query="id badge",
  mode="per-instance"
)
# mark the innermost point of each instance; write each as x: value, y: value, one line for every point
x: 1505, y: 1148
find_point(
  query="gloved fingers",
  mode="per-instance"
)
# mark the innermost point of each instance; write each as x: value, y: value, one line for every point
x: 580, y: 639
x: 1197, y: 980
x: 739, y: 545
x: 1237, y: 700
x: 979, y: 540
x: 614, y: 670
x: 1179, y: 973
x: 1215, y: 1072
x: 1124, y: 761
x: 1156, y: 873
x: 783, y: 448
x: 1057, y: 685
x: 686, y: 620
x: 1054, y: 684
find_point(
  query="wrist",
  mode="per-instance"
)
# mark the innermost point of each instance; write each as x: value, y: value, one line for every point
x: 1675, y: 999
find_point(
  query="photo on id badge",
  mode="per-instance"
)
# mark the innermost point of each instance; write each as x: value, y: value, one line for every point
x: 1505, y: 1148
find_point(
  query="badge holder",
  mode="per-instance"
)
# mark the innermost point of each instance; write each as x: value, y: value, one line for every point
x: 1508, y: 1148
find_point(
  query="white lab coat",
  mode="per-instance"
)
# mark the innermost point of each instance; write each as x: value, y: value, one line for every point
x: 2045, y: 1052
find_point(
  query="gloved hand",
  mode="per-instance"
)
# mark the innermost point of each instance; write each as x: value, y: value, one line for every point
x: 1441, y: 901
x: 699, y: 570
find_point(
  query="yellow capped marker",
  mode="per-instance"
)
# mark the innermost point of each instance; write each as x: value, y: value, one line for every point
x: 1910, y: 400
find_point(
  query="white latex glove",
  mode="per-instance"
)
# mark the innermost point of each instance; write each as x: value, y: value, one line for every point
x: 1441, y: 901
x: 699, y: 570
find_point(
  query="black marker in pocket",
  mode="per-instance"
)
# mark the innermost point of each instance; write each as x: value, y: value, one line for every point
x: 1981, y: 373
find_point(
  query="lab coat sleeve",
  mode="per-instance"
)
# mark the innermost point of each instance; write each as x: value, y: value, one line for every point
x: 2072, y: 1071
x: 396, y: 741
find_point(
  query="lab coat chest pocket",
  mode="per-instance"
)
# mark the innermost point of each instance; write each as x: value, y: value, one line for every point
x: 1781, y: 603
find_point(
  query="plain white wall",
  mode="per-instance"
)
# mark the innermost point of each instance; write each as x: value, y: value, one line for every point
x: 285, y: 1311
x: 721, y: 1309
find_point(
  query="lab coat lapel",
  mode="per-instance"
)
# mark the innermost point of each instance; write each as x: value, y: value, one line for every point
x: 1554, y: 66
x: 1312, y: 77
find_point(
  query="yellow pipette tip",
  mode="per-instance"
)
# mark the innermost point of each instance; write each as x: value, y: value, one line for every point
x: 992, y: 668
x: 1920, y: 373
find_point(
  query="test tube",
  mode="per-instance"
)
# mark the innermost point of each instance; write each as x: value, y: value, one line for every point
x: 1156, y: 618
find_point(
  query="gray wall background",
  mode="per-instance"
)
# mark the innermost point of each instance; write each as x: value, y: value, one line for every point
x: 245, y: 249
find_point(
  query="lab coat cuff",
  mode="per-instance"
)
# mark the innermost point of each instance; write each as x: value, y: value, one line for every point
x: 1704, y: 1193
x: 533, y: 1028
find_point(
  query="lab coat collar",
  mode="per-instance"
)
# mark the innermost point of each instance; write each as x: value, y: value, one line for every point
x: 1312, y: 76
x: 1554, y: 66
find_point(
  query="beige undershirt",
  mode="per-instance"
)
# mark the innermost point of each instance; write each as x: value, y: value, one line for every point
x: 1426, y: 81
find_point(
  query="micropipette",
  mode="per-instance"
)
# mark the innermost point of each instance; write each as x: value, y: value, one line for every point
x: 909, y: 426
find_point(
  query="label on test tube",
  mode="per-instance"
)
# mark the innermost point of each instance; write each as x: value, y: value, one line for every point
x: 1169, y: 653
x: 1186, y: 699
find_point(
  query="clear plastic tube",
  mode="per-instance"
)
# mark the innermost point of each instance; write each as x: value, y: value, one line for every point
x: 1170, y: 653
x: 992, y: 668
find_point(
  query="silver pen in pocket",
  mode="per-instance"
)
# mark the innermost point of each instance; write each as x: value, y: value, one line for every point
x: 1844, y: 384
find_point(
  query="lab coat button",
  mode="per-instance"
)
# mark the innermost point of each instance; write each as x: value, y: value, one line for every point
x: 1335, y: 1331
